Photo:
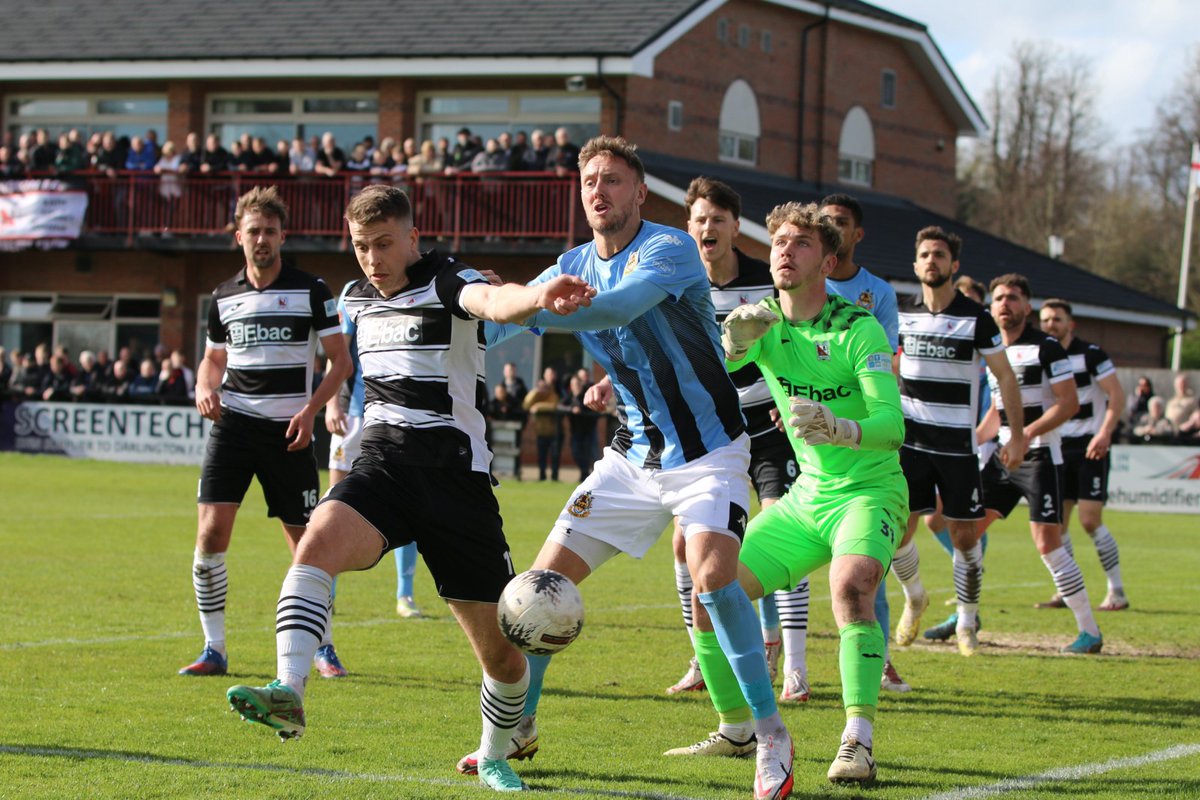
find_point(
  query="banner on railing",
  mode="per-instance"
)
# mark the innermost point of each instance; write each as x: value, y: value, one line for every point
x: 1155, y: 478
x: 147, y: 434
x: 40, y: 213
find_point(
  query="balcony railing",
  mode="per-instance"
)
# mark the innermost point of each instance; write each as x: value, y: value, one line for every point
x: 495, y: 206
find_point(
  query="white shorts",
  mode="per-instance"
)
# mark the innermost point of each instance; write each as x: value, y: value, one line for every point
x: 621, y: 508
x: 344, y: 449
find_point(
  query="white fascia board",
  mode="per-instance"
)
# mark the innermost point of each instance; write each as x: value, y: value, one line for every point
x: 643, y: 59
x: 308, y: 67
x: 919, y: 38
x: 1085, y: 310
x: 673, y: 194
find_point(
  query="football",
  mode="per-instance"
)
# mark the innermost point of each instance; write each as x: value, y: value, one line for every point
x: 540, y: 612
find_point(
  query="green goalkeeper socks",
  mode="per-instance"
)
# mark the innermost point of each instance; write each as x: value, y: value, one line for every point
x: 861, y: 657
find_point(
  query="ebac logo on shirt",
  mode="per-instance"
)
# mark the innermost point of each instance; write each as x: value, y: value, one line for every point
x: 243, y: 334
x: 813, y: 392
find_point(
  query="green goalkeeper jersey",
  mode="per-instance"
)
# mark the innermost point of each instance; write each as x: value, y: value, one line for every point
x: 841, y: 359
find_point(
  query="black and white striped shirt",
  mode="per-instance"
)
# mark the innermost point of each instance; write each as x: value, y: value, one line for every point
x: 753, y: 283
x: 939, y: 372
x: 1039, y: 361
x: 1090, y: 365
x: 270, y: 340
x: 422, y: 358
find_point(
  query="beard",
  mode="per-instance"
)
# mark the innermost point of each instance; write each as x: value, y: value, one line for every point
x: 936, y: 282
x: 615, y: 221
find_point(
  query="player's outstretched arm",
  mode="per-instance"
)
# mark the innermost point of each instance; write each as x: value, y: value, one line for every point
x: 512, y: 302
x: 1010, y: 392
x: 744, y: 326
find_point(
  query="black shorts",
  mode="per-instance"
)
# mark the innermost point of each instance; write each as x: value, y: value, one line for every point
x: 241, y: 447
x: 451, y: 514
x: 773, y: 465
x: 1037, y: 480
x: 1084, y: 478
x: 955, y: 478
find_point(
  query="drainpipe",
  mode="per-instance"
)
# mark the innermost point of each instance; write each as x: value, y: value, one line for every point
x: 803, y: 84
x: 618, y: 101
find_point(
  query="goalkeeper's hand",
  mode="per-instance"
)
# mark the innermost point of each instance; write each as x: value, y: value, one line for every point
x: 816, y: 424
x: 744, y: 326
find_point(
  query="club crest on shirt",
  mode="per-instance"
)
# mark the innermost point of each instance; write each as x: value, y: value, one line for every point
x: 283, y: 302
x: 866, y: 299
x: 631, y: 262
x: 822, y: 351
x: 581, y: 506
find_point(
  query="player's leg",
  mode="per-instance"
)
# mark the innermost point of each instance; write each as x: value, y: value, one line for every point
x: 793, y: 618
x: 692, y: 680
x: 961, y: 488
x: 406, y: 568
x: 1071, y: 476
x: 920, y: 476
x: 782, y: 615
x: 1093, y: 495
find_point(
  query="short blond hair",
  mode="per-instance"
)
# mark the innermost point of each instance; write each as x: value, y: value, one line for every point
x: 806, y: 216
x: 615, y: 146
x: 262, y: 199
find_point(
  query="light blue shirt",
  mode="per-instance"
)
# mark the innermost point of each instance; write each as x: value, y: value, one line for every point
x: 875, y: 295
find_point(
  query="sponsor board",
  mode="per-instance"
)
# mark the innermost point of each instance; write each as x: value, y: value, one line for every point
x: 1155, y: 478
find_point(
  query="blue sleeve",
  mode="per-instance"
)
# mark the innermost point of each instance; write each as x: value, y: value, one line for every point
x: 888, y: 315
x: 668, y: 260
x: 611, y: 309
x: 494, y: 333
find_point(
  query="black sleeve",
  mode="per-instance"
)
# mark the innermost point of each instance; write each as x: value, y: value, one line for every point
x: 324, y: 307
x: 216, y: 331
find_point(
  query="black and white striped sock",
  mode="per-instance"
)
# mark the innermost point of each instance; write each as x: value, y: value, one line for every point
x: 1110, y: 557
x: 793, y: 619
x: 683, y: 585
x: 211, y: 583
x: 1068, y: 580
x: 301, y: 618
x: 906, y: 564
x: 502, y: 705
x: 968, y: 583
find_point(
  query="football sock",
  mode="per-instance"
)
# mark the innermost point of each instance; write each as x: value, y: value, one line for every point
x: 968, y: 582
x: 722, y: 685
x: 793, y: 618
x: 211, y: 582
x: 1066, y: 542
x: 502, y: 705
x: 860, y: 724
x: 768, y: 617
x: 406, y: 567
x: 906, y: 565
x: 943, y: 538
x: 683, y: 585
x: 301, y: 617
x: 733, y: 621
x: 860, y: 656
x: 537, y: 675
x: 1068, y: 580
x: 883, y: 614
x: 1110, y: 557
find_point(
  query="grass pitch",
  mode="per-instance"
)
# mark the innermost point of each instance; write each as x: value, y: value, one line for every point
x: 97, y: 614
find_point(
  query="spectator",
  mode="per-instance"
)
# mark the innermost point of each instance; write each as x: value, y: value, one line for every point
x: 26, y: 381
x: 172, y: 387
x: 302, y: 159
x: 427, y: 162
x: 1189, y: 430
x: 86, y: 384
x: 192, y: 155
x: 261, y: 159
x: 103, y: 364
x: 359, y: 161
x: 144, y: 387
x: 1156, y: 426
x: 44, y: 152
x: 108, y: 157
x: 71, y: 157
x: 1181, y: 406
x: 514, y: 383
x: 282, y: 163
x: 115, y: 388
x: 582, y: 422
x: 6, y: 371
x: 410, y: 148
x: 239, y: 156
x: 542, y: 404
x: 151, y: 141
x: 514, y: 151
x: 504, y: 407
x: 368, y: 143
x: 1138, y: 403
x: 563, y: 158
x: 215, y: 157
x: 140, y: 157
x: 330, y: 158
x: 381, y: 162
x: 169, y: 165
x: 179, y: 362
x: 56, y: 384
x: 463, y: 153
x: 398, y: 161
x: 10, y: 165
x: 443, y: 149
x: 490, y: 159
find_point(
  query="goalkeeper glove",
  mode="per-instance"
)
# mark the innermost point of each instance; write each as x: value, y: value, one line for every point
x: 816, y: 424
x: 744, y: 326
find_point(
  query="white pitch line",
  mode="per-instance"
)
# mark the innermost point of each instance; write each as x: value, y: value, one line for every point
x: 1068, y: 773
x: 309, y: 772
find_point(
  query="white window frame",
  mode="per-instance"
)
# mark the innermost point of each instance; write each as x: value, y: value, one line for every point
x: 739, y: 125
x: 514, y: 118
x: 297, y: 117
x: 91, y: 119
x: 675, y: 115
x: 110, y: 318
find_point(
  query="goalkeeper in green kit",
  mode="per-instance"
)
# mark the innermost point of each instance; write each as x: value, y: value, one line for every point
x: 829, y: 368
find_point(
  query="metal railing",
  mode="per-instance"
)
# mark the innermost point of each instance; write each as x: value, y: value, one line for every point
x: 491, y: 206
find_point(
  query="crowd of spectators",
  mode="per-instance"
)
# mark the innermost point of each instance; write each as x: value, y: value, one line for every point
x: 1163, y: 420
x: 38, y: 153
x: 160, y: 377
x: 555, y: 408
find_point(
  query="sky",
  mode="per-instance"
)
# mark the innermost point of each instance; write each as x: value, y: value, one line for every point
x: 1137, y: 49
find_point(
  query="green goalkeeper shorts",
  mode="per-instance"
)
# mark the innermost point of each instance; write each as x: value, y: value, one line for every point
x: 809, y: 527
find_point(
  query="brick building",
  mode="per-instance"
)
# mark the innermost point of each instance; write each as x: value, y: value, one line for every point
x: 787, y: 99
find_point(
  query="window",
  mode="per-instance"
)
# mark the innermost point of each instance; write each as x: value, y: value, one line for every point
x: 765, y: 42
x: 856, y: 149
x: 273, y: 117
x: 81, y: 322
x: 723, y: 30
x: 490, y: 114
x: 739, y: 125
x: 744, y: 36
x: 675, y: 115
x: 887, y: 92
x: 130, y: 115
